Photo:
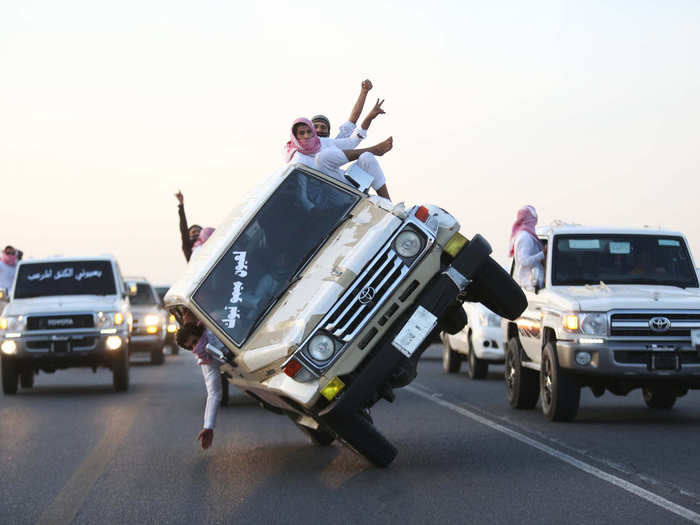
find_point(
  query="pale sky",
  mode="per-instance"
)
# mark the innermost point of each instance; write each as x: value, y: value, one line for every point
x: 587, y: 110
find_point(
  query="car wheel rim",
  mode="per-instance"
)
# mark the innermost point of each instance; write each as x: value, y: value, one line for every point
x: 510, y: 373
x: 547, y: 382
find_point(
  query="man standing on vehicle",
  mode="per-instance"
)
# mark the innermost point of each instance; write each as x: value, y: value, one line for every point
x: 188, y: 234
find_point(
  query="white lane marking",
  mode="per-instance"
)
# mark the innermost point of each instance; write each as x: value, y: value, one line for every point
x: 566, y: 458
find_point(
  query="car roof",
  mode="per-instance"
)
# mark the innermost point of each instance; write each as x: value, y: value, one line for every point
x: 64, y: 258
x: 138, y: 280
x: 578, y: 229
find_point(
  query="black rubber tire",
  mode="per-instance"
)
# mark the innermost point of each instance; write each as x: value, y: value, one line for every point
x: 157, y: 356
x: 560, y: 393
x: 174, y: 349
x: 224, y: 391
x: 522, y: 384
x: 26, y: 378
x: 451, y: 360
x: 496, y: 290
x: 120, y: 371
x: 318, y: 436
x: 9, y: 375
x: 478, y: 368
x: 659, y: 397
x: 362, y: 437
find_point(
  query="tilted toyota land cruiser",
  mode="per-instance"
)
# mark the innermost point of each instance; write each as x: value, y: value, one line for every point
x: 65, y: 312
x: 325, y: 296
x: 619, y: 310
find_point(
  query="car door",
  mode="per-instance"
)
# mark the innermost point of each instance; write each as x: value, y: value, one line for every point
x: 530, y: 322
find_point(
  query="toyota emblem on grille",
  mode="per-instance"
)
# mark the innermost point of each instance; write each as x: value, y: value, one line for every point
x: 659, y: 324
x: 366, y: 295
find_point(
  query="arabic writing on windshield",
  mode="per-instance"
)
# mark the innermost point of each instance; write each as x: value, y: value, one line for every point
x: 622, y: 259
x: 65, y: 278
x: 260, y: 263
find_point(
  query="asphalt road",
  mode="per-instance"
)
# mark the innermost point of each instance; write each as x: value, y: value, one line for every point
x: 72, y: 450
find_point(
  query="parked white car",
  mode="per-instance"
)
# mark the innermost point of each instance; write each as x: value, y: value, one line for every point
x: 479, y: 343
x: 619, y: 310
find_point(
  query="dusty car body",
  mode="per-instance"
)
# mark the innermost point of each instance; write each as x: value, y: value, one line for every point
x: 325, y: 302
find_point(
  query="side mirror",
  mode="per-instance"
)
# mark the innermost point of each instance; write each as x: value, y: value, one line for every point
x: 359, y: 178
x: 131, y: 288
x: 4, y: 294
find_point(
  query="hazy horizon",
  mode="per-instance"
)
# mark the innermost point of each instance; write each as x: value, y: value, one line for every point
x: 588, y: 111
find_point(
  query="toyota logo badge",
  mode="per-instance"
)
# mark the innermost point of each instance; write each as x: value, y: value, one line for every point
x: 366, y: 295
x: 659, y: 324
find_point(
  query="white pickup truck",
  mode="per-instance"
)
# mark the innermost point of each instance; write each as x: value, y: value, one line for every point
x: 619, y: 309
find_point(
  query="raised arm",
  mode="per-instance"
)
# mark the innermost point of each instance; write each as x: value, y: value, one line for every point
x: 374, y: 113
x: 360, y: 103
x: 184, y: 233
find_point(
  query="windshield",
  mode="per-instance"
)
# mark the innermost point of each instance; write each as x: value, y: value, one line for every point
x: 161, y: 291
x: 261, y: 263
x: 622, y: 259
x: 144, y: 296
x: 65, y: 278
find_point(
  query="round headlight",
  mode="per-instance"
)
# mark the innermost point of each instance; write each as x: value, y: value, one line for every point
x: 594, y: 324
x: 583, y: 358
x: 407, y: 244
x: 321, y: 347
x: 8, y: 347
x: 152, y: 319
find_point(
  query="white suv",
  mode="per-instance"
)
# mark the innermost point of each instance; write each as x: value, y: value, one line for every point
x: 619, y: 310
x: 65, y: 312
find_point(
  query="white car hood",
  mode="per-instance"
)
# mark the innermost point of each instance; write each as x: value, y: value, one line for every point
x: 63, y: 304
x: 602, y: 298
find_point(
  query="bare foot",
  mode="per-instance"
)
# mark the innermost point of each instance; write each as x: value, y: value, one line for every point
x: 381, y: 148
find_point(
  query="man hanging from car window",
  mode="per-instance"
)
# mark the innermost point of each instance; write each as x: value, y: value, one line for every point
x: 193, y: 336
x: 526, y: 249
x: 189, y: 234
x: 8, y: 267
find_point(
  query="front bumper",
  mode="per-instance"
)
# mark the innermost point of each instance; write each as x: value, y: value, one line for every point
x: 79, y: 348
x: 488, y: 344
x: 146, y: 342
x: 632, y: 360
x: 379, y: 369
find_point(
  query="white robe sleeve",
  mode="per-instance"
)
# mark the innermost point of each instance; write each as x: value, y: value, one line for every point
x: 527, y: 253
x: 345, y: 130
x: 212, y: 380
